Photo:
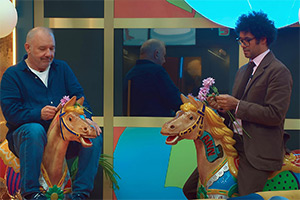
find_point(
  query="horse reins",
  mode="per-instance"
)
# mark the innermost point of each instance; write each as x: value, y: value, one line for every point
x: 62, y: 122
x: 198, y: 123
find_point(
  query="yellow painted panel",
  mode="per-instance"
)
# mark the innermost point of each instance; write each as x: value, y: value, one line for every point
x: 86, y: 23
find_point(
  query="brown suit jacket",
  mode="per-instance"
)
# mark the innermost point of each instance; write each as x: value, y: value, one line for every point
x: 262, y: 110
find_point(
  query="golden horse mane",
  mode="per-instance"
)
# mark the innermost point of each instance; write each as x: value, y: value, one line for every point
x: 76, y: 109
x: 217, y: 127
x: 220, y: 131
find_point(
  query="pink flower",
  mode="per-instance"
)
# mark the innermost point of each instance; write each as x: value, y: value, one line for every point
x: 203, y: 93
x: 64, y: 100
x: 208, y: 82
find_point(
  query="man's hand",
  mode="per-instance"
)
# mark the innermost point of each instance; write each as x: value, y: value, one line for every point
x: 227, y: 102
x: 94, y: 125
x: 48, y: 112
x: 212, y: 102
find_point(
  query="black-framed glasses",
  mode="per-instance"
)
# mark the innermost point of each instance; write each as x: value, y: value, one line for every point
x: 245, y: 41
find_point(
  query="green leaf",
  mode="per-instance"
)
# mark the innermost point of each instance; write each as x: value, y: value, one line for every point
x: 74, y: 168
x: 215, y: 90
x: 108, y: 169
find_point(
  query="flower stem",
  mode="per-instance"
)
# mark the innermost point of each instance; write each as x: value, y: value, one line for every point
x: 87, y: 110
x: 77, y: 104
x: 232, y: 119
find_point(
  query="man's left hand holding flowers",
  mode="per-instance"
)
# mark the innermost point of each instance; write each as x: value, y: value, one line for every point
x: 223, y: 102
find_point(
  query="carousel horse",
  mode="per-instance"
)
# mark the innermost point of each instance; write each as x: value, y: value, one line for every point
x: 217, y: 159
x: 69, y: 124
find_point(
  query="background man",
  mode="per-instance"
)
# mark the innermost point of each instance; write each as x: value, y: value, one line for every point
x: 153, y: 93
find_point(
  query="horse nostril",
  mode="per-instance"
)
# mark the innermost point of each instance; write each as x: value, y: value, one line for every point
x: 85, y: 128
x: 172, y: 126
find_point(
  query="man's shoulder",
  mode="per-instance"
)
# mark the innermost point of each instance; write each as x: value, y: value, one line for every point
x: 270, y: 59
x: 148, y: 67
x: 275, y: 68
x: 60, y: 65
x: 154, y: 68
x: 274, y: 63
x: 147, y: 63
x: 20, y: 66
x: 58, y: 62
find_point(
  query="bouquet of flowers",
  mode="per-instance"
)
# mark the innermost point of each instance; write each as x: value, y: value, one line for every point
x: 209, y: 89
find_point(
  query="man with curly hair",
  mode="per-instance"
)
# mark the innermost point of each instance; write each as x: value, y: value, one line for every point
x: 260, y: 100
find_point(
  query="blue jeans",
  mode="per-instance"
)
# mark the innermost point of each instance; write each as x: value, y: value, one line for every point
x: 29, y: 142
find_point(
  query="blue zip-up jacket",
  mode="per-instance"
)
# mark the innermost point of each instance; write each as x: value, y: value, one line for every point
x: 23, y: 94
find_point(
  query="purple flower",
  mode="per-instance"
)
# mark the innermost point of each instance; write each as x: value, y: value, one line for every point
x: 64, y: 100
x: 208, y: 82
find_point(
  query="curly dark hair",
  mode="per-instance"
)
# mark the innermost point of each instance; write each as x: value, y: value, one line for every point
x: 258, y: 24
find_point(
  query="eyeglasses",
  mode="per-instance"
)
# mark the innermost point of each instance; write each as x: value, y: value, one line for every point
x: 245, y: 41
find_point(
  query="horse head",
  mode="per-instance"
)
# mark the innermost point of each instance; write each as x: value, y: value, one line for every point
x: 188, y: 122
x: 73, y: 124
x: 192, y: 120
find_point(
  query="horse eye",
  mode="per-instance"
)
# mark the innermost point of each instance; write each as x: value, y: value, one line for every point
x: 191, y: 117
x: 70, y: 119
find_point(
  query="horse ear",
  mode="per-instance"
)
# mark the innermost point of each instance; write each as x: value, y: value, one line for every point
x: 59, y: 107
x: 81, y: 100
x: 194, y: 101
x: 71, y: 102
x: 184, y: 99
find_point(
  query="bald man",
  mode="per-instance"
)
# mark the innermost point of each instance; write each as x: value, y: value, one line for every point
x: 30, y: 92
x: 153, y: 93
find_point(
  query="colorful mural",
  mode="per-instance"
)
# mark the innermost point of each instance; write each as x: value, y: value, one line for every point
x: 283, y: 12
x: 153, y: 9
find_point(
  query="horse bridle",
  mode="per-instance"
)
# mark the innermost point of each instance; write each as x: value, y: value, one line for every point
x: 198, y: 123
x: 62, y: 122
